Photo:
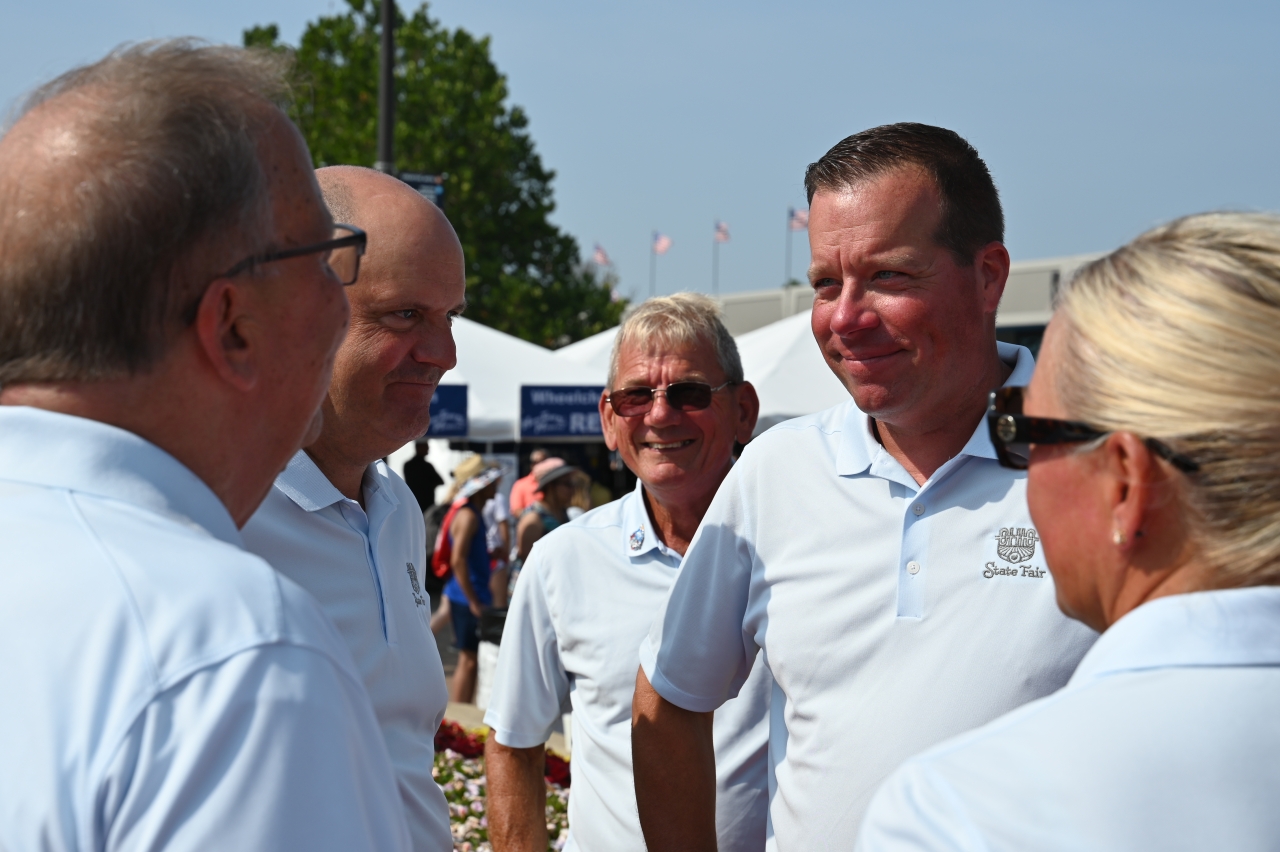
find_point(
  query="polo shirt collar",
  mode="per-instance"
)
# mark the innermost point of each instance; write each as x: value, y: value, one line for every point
x: 304, y: 483
x: 859, y: 448
x: 1226, y: 627
x: 64, y: 451
x: 638, y: 536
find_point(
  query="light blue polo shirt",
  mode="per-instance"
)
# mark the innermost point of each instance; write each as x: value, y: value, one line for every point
x: 365, y: 566
x: 1167, y: 737
x: 586, y: 597
x: 891, y: 615
x: 161, y: 687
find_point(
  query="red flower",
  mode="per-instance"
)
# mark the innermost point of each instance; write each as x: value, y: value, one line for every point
x: 557, y: 770
x: 452, y: 736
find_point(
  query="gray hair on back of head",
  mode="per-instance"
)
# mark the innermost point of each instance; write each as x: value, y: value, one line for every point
x: 671, y: 322
x: 108, y: 261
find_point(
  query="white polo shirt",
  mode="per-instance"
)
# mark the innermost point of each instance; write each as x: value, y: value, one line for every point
x: 1166, y: 738
x: 891, y: 615
x: 586, y: 598
x: 161, y: 687
x: 365, y: 567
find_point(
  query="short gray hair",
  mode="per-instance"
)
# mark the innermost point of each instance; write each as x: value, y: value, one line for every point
x: 103, y: 265
x: 669, y: 322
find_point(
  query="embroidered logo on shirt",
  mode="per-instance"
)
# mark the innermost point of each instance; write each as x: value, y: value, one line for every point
x: 637, y: 539
x: 1016, y: 544
x: 413, y: 581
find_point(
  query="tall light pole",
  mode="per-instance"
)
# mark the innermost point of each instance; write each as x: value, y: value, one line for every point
x: 387, y: 91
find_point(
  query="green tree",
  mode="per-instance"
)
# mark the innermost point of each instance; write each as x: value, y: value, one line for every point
x: 524, y: 276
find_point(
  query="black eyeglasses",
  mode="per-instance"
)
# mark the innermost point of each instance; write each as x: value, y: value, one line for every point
x: 1013, y: 433
x: 341, y: 254
x: 686, y: 396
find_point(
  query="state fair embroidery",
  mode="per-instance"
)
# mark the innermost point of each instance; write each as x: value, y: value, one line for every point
x: 637, y: 539
x: 413, y: 581
x: 1015, y: 545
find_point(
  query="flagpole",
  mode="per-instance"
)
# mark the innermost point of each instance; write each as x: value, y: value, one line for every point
x: 715, y: 266
x: 653, y: 267
x: 786, y: 279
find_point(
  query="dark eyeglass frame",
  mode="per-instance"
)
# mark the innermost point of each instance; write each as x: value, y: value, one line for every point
x: 1008, y: 425
x: 666, y: 391
x: 357, y: 238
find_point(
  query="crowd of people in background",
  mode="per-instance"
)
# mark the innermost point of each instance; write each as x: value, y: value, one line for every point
x: 983, y: 604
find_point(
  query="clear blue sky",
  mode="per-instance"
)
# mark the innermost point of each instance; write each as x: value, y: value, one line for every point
x: 1098, y: 120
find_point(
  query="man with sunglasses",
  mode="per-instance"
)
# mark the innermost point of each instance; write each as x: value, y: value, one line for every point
x: 676, y: 403
x: 876, y: 555
x: 343, y: 525
x: 169, y: 314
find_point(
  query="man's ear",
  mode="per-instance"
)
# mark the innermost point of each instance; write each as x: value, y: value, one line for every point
x: 991, y: 266
x: 746, y: 411
x: 608, y: 421
x: 222, y: 328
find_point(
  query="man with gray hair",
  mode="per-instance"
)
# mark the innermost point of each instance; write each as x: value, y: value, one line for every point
x: 171, y: 298
x: 676, y: 403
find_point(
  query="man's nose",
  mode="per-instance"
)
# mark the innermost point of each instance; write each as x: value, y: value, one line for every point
x: 662, y: 413
x: 436, y: 346
x: 852, y: 314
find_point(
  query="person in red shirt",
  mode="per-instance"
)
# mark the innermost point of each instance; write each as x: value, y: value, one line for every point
x: 524, y: 491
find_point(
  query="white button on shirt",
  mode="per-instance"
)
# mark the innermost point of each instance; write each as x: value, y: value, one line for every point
x: 586, y: 597
x: 1166, y: 738
x: 162, y: 688
x: 805, y: 557
x: 366, y: 569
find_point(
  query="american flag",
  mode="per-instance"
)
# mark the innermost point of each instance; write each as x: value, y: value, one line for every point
x: 722, y: 232
x: 797, y: 220
x: 661, y: 242
x: 600, y: 257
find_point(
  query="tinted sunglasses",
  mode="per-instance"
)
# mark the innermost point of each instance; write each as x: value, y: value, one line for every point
x: 1013, y: 433
x: 686, y: 396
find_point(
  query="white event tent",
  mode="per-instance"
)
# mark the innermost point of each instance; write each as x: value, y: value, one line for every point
x: 781, y: 359
x: 493, y: 366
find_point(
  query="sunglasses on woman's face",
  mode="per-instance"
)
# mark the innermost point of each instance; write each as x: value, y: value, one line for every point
x: 685, y: 396
x: 1013, y: 433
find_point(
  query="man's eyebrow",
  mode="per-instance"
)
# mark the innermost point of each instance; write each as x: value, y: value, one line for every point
x: 459, y: 308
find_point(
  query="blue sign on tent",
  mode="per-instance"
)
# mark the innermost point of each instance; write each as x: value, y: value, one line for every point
x: 448, y: 412
x: 557, y: 411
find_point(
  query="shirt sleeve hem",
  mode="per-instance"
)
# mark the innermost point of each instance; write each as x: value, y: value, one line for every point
x: 668, y: 690
x: 514, y: 739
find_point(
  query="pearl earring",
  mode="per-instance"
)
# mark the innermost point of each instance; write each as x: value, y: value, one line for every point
x: 1118, y: 538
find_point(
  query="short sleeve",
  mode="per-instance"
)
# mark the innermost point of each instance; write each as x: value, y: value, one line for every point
x: 697, y: 654
x: 531, y: 687
x: 917, y: 811
x: 273, y: 748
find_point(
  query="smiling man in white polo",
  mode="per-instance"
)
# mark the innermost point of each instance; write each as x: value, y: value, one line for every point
x: 850, y: 548
x: 343, y: 525
x: 589, y: 590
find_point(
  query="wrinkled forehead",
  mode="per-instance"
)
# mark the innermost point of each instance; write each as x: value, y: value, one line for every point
x: 658, y: 360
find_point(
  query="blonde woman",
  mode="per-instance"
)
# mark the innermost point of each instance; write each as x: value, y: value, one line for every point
x: 1151, y: 436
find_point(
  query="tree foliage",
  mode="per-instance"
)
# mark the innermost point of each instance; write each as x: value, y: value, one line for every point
x: 524, y: 276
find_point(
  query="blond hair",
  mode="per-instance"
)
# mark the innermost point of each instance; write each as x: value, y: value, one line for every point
x: 670, y: 322
x: 1176, y: 336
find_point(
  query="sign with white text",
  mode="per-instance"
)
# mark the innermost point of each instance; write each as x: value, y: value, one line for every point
x: 448, y: 412
x: 559, y: 411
